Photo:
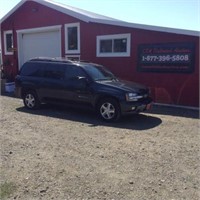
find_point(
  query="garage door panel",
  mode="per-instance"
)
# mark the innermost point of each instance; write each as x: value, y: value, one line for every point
x: 39, y: 44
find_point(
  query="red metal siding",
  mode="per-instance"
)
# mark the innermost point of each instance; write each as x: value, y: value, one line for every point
x: 170, y: 88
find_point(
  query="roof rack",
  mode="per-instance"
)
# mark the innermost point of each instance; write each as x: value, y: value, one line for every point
x: 56, y: 59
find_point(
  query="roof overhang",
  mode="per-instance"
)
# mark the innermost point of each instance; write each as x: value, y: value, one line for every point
x: 90, y: 17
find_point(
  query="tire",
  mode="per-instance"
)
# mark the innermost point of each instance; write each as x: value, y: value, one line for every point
x: 108, y: 109
x: 31, y: 100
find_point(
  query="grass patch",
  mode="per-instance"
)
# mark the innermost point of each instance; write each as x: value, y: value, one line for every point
x: 6, y: 189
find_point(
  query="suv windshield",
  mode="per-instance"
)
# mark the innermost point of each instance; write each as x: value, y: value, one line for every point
x: 98, y: 72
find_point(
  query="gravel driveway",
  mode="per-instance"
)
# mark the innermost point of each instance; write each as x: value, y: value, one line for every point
x: 56, y: 153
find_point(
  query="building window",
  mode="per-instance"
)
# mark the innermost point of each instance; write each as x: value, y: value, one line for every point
x: 72, y: 38
x: 113, y: 45
x: 73, y: 57
x: 8, y: 42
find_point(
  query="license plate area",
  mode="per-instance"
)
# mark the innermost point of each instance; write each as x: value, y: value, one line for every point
x: 145, y: 107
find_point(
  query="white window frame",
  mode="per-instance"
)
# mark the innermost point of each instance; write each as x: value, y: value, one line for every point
x: 5, y: 42
x: 73, y: 56
x: 127, y: 36
x: 68, y: 51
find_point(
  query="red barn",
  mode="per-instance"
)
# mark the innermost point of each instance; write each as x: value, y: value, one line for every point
x: 165, y: 59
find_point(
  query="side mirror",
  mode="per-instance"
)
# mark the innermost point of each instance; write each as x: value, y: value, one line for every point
x: 82, y: 82
x: 81, y: 78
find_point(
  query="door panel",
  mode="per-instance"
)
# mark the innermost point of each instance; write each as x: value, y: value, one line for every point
x: 77, y: 88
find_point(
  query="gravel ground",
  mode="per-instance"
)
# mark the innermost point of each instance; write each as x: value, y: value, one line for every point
x: 56, y: 153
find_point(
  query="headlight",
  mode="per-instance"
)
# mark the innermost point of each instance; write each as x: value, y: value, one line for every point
x: 133, y: 97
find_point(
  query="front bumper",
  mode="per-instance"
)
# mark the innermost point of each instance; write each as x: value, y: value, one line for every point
x: 136, y: 107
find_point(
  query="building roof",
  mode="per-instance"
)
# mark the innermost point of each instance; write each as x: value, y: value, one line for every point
x: 97, y: 18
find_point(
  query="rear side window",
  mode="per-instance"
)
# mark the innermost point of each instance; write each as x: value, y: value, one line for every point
x: 32, y: 69
x: 73, y: 71
x: 54, y: 71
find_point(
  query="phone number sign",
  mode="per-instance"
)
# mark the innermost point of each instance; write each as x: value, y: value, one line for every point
x: 170, y: 57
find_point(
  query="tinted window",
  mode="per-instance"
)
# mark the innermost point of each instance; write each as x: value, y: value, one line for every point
x: 31, y: 69
x: 97, y: 72
x: 54, y: 70
x: 73, y: 71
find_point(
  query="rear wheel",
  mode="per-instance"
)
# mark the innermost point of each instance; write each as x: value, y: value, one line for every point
x: 31, y: 100
x: 108, y: 110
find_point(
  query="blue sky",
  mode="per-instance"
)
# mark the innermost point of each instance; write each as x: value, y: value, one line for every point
x: 183, y: 14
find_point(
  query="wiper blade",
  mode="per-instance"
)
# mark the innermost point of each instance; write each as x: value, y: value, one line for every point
x: 107, y: 79
x: 102, y: 79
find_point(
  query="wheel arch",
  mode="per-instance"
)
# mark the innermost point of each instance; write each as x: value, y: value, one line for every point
x: 26, y: 89
x: 106, y: 96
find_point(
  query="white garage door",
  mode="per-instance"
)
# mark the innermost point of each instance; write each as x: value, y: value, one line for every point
x: 37, y: 44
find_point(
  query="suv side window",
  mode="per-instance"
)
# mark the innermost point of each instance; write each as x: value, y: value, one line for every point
x: 72, y: 72
x: 32, y: 69
x: 54, y: 71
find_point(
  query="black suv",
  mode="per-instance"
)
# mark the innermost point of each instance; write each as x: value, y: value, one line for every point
x: 57, y: 80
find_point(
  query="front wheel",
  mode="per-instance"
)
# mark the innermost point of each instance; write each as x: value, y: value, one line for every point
x: 31, y: 100
x: 108, y: 110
